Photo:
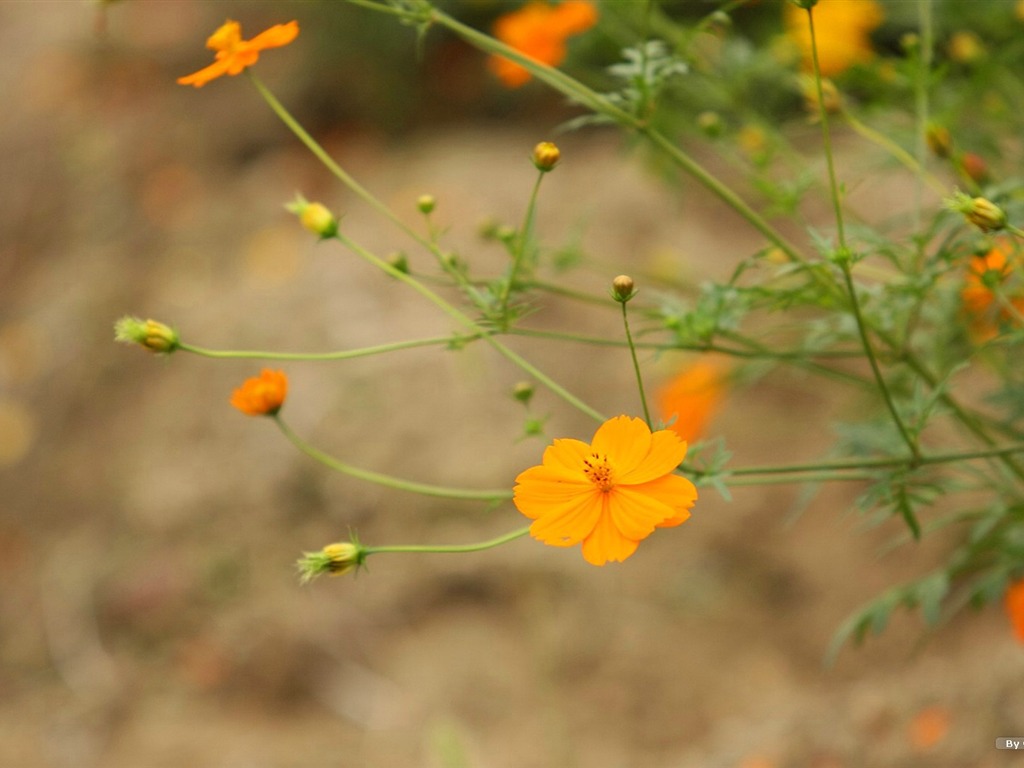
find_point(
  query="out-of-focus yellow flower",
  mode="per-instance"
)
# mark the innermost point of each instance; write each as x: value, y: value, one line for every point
x: 610, y: 494
x: 842, y: 29
x: 966, y: 47
x: 261, y: 395
x: 539, y: 31
x: 235, y: 54
x: 691, y: 398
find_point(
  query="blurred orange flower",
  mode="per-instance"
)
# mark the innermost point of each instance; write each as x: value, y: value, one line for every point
x: 692, y: 396
x: 235, y: 54
x: 977, y: 296
x: 929, y: 727
x: 610, y: 494
x: 1015, y: 608
x: 539, y: 31
x: 261, y: 395
x: 842, y: 29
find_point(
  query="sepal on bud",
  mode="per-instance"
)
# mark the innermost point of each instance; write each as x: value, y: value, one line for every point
x: 315, y: 217
x: 335, y: 559
x: 546, y: 156
x: 623, y: 288
x: 151, y: 334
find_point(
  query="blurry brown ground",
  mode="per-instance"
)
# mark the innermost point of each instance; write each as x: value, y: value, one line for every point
x: 150, y: 612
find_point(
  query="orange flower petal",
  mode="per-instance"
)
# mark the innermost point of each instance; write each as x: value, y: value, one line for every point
x: 569, y: 522
x: 636, y: 514
x: 606, y: 543
x: 226, y: 37
x: 276, y: 36
x: 261, y: 395
x: 565, y: 456
x: 1014, y: 603
x: 205, y: 75
x: 666, y: 453
x: 625, y: 441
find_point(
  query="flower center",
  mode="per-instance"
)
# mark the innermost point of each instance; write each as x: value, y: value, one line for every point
x: 599, y: 472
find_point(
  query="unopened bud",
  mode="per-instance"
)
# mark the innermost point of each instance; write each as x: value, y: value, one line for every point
x: 426, y: 204
x: 974, y: 166
x: 831, y: 101
x: 546, y: 156
x: 966, y: 47
x: 710, y: 123
x: 623, y: 288
x: 939, y: 140
x: 399, y: 261
x: 153, y: 335
x: 315, y: 217
x: 336, y: 559
x: 523, y: 392
x: 979, y: 211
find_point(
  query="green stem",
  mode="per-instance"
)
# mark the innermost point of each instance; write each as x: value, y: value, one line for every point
x: 522, y: 242
x: 894, y: 149
x: 861, y: 464
x: 321, y: 154
x: 636, y: 363
x: 387, y: 480
x: 450, y: 310
x: 845, y: 254
x: 348, y: 354
x: 468, y: 323
x: 476, y: 547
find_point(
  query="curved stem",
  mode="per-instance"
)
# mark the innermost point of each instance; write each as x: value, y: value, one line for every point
x: 469, y: 323
x: 347, y: 354
x: 475, y: 547
x: 845, y: 255
x: 636, y: 363
x: 522, y: 241
x: 386, y: 480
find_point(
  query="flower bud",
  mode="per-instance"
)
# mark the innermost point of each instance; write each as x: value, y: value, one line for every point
x: 315, y: 217
x: 710, y: 124
x: 623, y: 288
x: 966, y: 47
x: 974, y: 166
x: 546, y: 156
x: 399, y: 261
x: 336, y: 559
x: 830, y: 98
x: 979, y: 211
x: 523, y: 392
x: 152, y: 335
x: 426, y: 204
x: 939, y: 140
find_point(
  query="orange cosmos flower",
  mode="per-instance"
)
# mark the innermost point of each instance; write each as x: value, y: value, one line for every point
x: 692, y: 397
x: 235, y: 54
x: 842, y: 29
x: 539, y: 30
x: 261, y: 395
x: 1015, y: 608
x: 610, y: 494
x: 977, y: 297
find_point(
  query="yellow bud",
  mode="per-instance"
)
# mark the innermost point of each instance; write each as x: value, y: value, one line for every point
x: 966, y: 47
x: 939, y: 140
x: 546, y: 156
x: 979, y: 211
x: 336, y: 559
x: 523, y: 391
x: 426, y: 204
x: 315, y: 217
x: 151, y: 334
x: 623, y: 288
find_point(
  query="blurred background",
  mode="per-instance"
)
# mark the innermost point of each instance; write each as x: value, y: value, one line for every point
x: 151, y: 612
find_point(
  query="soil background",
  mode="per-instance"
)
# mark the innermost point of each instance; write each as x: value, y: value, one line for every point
x: 151, y: 614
